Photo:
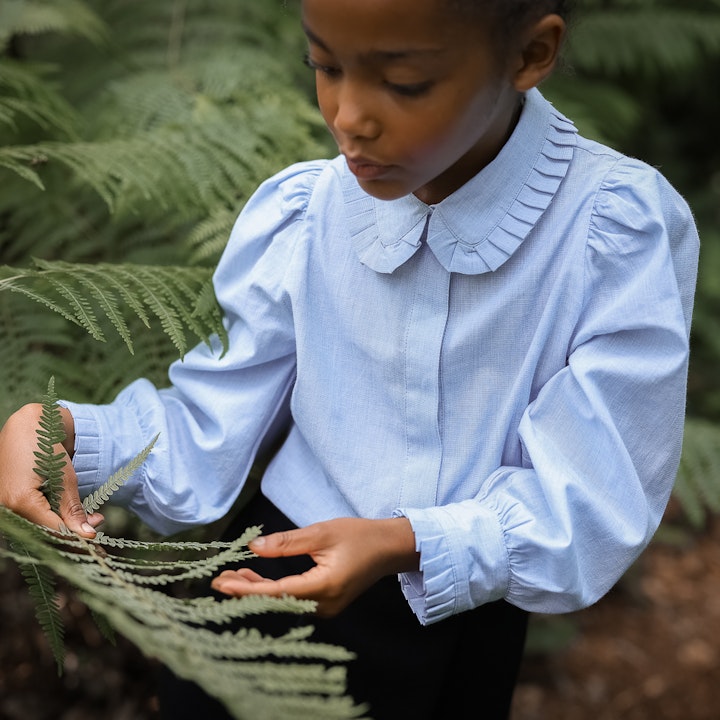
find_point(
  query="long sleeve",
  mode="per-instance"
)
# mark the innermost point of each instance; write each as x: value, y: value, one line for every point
x: 507, y: 369
x: 601, y: 440
x: 219, y: 408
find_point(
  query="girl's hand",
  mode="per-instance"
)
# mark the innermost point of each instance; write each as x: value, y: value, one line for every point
x: 20, y: 484
x: 350, y: 555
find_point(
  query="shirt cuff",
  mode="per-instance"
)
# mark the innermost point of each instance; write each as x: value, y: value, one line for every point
x: 463, y: 560
x: 86, y: 455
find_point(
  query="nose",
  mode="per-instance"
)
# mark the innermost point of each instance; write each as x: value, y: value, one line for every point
x: 355, y: 113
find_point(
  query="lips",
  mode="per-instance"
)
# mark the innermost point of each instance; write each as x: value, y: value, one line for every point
x: 365, y: 169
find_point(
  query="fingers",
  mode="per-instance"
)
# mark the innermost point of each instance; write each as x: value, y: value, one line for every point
x: 303, y: 541
x: 20, y: 485
x: 36, y: 508
x: 243, y: 582
x: 244, y: 574
x: 96, y: 519
x: 247, y: 582
x: 71, y: 515
x: 74, y: 516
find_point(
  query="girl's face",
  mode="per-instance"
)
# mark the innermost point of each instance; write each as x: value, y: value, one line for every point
x: 417, y: 99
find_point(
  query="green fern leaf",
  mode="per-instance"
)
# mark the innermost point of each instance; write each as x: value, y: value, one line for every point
x: 41, y: 586
x: 17, y: 281
x: 79, y: 306
x: 232, y: 665
x: 76, y: 291
x: 151, y: 287
x: 697, y: 487
x: 31, y: 18
x: 25, y: 90
x: 104, y: 626
x: 20, y: 167
x: 49, y: 464
x: 108, y: 303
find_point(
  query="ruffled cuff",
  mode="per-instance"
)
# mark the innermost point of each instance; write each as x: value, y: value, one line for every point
x: 463, y: 560
x: 86, y: 456
x: 93, y: 460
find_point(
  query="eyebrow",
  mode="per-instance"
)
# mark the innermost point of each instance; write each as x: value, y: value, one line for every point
x: 387, y: 55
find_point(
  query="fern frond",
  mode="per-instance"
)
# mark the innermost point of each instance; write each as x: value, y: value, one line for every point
x: 109, y: 304
x: 697, y: 487
x: 75, y: 291
x: 24, y: 366
x: 234, y: 665
x: 78, y: 307
x: 208, y: 238
x: 25, y: 91
x: 20, y: 165
x: 41, y: 586
x: 96, y: 500
x: 25, y: 17
x: 646, y: 41
x: 49, y: 464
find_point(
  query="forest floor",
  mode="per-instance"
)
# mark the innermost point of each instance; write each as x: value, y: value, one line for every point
x: 649, y: 650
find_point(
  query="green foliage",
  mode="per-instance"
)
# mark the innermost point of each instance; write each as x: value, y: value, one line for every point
x: 49, y: 464
x: 123, y: 581
x: 131, y: 134
x: 30, y: 18
x: 697, y: 488
x: 78, y: 291
x: 41, y: 586
x: 127, y: 582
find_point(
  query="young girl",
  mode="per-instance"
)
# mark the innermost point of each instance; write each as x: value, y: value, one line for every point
x: 469, y: 336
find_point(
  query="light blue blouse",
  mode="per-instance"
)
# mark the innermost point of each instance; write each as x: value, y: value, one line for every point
x: 507, y: 369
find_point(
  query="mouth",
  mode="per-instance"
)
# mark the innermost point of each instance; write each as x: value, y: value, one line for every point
x: 365, y: 169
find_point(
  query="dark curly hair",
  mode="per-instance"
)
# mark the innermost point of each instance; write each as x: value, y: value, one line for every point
x: 515, y: 12
x: 508, y: 18
x: 512, y: 16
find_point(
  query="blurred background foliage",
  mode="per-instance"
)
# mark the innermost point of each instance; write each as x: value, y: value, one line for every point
x: 133, y: 132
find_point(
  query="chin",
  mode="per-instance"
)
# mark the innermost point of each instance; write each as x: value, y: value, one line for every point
x: 384, y: 190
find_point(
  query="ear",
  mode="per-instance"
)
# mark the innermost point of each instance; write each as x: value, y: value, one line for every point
x: 539, y: 52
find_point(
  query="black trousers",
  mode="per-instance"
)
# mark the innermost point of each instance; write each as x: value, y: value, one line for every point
x: 463, y: 667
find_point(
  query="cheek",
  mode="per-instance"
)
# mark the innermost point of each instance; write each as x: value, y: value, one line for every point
x: 434, y: 137
x: 325, y: 104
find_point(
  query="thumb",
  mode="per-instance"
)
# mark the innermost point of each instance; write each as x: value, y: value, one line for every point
x: 72, y: 511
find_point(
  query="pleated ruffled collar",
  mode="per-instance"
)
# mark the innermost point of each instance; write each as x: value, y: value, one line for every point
x: 478, y: 227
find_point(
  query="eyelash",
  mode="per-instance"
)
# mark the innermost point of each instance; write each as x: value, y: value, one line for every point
x: 410, y: 91
x: 324, y: 69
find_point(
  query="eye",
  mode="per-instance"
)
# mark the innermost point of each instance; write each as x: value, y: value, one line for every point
x: 327, y: 70
x: 410, y: 90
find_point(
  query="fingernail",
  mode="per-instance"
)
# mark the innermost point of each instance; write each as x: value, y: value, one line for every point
x: 258, y: 541
x: 87, y: 527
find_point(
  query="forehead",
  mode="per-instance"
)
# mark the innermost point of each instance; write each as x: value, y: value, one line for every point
x: 383, y: 24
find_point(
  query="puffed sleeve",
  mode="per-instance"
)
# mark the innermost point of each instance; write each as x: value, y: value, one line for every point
x: 600, y: 442
x: 219, y: 408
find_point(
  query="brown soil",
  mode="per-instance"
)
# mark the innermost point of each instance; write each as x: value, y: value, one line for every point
x: 649, y: 650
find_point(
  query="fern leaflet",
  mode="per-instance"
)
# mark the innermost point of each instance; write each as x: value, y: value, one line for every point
x: 50, y: 464
x: 233, y: 665
x: 41, y: 586
x: 697, y: 487
x: 77, y: 291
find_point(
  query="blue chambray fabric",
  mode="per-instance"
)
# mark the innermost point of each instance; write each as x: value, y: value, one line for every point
x: 507, y: 369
